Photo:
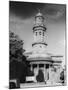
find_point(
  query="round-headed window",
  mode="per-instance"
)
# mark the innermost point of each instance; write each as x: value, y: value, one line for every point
x: 40, y: 33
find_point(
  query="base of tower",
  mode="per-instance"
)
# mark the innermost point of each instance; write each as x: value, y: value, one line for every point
x: 39, y: 43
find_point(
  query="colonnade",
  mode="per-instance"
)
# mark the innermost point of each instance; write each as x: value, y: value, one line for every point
x: 48, y: 71
x: 45, y: 70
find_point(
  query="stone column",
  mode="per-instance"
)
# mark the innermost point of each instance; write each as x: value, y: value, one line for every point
x: 44, y: 72
x: 36, y: 72
x: 49, y: 72
x: 38, y: 67
x: 31, y: 67
x: 51, y: 75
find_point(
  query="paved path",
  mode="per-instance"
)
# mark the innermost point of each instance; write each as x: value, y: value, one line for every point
x: 29, y: 85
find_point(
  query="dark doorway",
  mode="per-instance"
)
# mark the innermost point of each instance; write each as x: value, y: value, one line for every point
x: 40, y: 76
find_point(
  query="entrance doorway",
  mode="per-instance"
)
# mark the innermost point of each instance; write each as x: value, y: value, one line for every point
x: 40, y: 76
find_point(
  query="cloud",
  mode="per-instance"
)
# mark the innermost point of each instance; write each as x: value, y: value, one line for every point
x: 21, y: 22
x: 26, y: 10
x: 61, y: 43
x: 55, y: 11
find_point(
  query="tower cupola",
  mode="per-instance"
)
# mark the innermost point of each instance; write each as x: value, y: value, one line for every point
x: 39, y: 32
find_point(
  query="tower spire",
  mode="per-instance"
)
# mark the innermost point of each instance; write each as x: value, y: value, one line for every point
x: 39, y: 31
x: 39, y: 10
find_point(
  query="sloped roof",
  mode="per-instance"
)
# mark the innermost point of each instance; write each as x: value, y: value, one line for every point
x: 39, y: 58
x: 43, y: 57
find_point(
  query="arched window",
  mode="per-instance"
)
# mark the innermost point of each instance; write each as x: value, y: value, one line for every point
x: 36, y: 33
x: 43, y: 33
x: 40, y: 46
x: 40, y: 33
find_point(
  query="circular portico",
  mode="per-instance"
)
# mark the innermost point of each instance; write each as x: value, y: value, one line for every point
x: 40, y: 63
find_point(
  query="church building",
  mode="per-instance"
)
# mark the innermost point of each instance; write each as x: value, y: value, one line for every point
x: 40, y: 61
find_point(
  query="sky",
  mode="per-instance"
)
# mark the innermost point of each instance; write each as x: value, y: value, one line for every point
x: 21, y: 21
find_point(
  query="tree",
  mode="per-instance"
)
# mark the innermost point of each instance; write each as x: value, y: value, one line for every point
x: 16, y: 47
x: 40, y: 76
x: 18, y: 64
x: 62, y: 78
x: 16, y: 57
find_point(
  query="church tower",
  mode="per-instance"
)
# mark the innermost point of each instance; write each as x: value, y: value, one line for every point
x: 39, y: 33
x: 39, y: 59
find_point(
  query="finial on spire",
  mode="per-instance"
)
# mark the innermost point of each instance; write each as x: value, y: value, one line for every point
x: 39, y: 10
x: 39, y: 13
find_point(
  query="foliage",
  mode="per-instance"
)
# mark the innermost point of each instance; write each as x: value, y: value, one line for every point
x: 18, y: 64
x: 62, y: 76
x: 40, y: 76
x: 16, y: 47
